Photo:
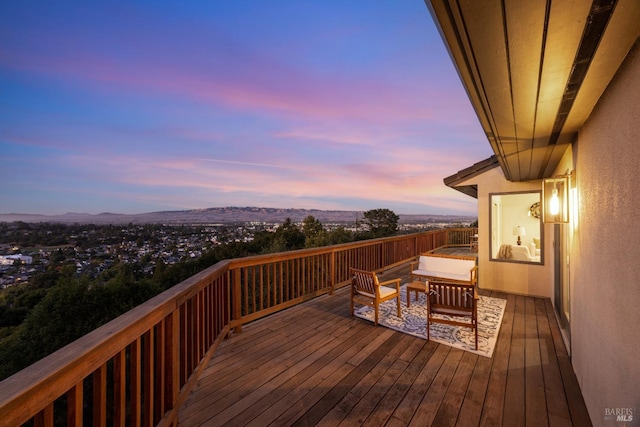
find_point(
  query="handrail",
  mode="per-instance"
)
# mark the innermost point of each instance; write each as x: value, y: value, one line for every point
x: 149, y: 358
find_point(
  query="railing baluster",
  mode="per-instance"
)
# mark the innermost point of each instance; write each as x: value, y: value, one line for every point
x: 134, y: 383
x: 148, y: 339
x: 44, y: 418
x: 238, y: 297
x: 100, y: 397
x: 172, y: 359
x: 74, y: 405
x: 182, y: 336
x: 119, y: 389
x: 160, y: 367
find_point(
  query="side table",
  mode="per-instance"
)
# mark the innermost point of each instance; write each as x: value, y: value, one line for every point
x: 415, y: 287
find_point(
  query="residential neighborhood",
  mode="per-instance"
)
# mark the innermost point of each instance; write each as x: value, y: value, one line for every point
x: 93, y: 249
x: 26, y: 249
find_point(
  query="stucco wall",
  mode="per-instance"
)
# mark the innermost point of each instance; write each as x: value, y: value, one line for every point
x: 605, y: 251
x: 518, y: 278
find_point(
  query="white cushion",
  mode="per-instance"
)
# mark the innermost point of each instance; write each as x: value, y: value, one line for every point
x: 447, y: 268
x: 466, y: 276
x: 384, y: 291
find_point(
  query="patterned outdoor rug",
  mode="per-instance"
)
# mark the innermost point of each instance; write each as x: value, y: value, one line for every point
x: 414, y: 322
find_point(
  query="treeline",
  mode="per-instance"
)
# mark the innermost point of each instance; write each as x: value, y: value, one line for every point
x: 59, y: 306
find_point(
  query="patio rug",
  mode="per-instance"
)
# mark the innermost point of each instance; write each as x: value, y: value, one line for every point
x: 414, y: 322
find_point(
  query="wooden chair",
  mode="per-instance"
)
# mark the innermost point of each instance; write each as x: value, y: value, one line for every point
x: 365, y: 289
x: 455, y: 299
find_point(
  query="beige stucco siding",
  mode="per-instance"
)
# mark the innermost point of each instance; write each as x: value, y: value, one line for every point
x: 605, y: 250
x: 517, y: 278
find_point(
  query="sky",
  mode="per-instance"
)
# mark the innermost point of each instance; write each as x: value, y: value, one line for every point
x: 142, y: 106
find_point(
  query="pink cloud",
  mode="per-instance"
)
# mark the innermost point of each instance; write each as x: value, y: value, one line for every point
x: 270, y: 86
x: 373, y: 182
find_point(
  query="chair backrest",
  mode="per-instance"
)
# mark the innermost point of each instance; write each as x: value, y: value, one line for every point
x: 449, y: 296
x: 364, y: 282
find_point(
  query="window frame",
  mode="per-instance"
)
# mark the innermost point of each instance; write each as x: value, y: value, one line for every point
x: 504, y: 240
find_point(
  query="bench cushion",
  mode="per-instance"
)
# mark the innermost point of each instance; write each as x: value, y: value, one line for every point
x: 443, y: 275
x: 446, y: 268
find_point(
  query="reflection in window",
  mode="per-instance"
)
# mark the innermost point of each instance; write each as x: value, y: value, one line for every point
x: 516, y: 227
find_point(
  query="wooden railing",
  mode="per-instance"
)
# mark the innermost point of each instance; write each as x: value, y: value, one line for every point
x: 138, y: 369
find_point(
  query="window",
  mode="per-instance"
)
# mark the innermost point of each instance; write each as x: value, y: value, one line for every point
x: 516, y: 227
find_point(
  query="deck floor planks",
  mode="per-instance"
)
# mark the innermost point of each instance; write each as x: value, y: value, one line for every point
x: 324, y: 365
x: 276, y: 360
x: 426, y: 411
x: 399, y: 389
x: 363, y: 397
x: 472, y: 405
x: 275, y: 357
x: 278, y: 377
x: 272, y: 391
x: 535, y: 402
x: 350, y: 382
x: 557, y: 408
x: 272, y: 359
x: 577, y: 407
x: 325, y: 376
x: 514, y: 399
x: 449, y: 409
x: 408, y: 406
x: 493, y: 406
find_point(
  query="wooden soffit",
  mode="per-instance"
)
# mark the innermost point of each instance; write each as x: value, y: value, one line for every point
x: 535, y: 69
x: 456, y: 181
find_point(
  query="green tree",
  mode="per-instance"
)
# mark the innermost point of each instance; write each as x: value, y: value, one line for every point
x: 328, y: 238
x: 381, y: 222
x: 288, y: 237
x: 313, y: 231
x: 73, y: 308
x: 311, y: 226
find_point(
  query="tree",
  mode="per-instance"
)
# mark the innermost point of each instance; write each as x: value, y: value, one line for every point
x: 313, y: 231
x: 381, y: 222
x: 311, y: 226
x: 327, y: 238
x: 288, y: 237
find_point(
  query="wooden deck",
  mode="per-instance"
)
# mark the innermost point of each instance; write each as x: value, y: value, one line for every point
x: 314, y: 364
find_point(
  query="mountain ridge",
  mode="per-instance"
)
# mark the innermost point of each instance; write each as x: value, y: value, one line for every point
x: 229, y: 214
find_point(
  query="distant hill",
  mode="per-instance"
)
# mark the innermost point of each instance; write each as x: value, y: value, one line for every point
x: 220, y: 215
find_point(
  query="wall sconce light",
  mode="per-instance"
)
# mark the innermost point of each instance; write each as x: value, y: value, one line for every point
x: 519, y: 231
x: 555, y: 197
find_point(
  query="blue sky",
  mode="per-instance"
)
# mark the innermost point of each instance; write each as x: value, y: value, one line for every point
x: 140, y: 106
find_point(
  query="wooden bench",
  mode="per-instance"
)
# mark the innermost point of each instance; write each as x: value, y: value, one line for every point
x: 450, y: 269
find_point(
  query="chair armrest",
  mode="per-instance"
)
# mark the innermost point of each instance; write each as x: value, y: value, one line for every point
x: 388, y: 282
x: 473, y: 274
x: 412, y: 265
